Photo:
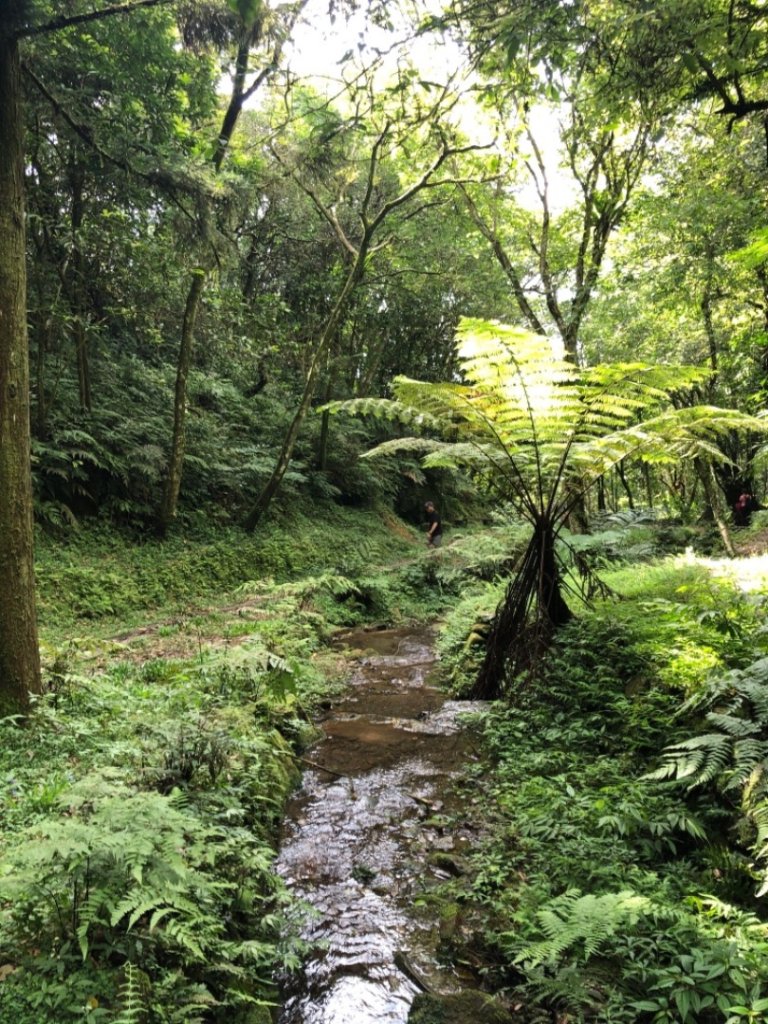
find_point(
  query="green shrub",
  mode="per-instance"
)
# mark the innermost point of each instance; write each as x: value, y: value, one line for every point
x: 590, y: 878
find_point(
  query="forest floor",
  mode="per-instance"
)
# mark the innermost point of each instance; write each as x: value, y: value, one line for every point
x: 166, y: 674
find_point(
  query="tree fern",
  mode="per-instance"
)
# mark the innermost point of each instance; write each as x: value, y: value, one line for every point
x: 540, y: 431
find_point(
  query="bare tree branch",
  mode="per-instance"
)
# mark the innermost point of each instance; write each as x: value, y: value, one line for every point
x: 80, y: 19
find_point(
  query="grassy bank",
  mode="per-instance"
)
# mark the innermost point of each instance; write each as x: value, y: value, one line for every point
x: 623, y: 805
x: 96, y: 575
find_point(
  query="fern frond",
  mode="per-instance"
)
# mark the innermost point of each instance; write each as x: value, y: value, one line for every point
x: 579, y: 924
x: 131, y: 1000
x: 383, y: 409
x: 697, y: 760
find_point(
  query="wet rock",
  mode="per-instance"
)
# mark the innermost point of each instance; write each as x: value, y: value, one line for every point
x: 254, y: 1015
x: 458, y: 1008
x: 444, y: 862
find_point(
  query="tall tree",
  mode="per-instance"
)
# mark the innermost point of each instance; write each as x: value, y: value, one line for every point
x: 398, y: 142
x: 256, y: 24
x: 19, y: 653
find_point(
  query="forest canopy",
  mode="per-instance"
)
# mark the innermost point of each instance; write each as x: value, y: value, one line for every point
x: 282, y: 283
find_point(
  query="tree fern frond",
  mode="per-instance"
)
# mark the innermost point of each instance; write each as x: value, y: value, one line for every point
x: 382, y: 408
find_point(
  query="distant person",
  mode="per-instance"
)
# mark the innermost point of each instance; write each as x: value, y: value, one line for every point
x: 434, y: 526
x: 742, y: 509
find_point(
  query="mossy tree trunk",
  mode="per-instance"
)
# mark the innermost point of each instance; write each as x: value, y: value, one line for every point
x: 19, y: 651
x: 179, y: 435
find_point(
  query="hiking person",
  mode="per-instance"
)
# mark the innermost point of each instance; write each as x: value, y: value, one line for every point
x: 434, y: 526
x: 743, y: 509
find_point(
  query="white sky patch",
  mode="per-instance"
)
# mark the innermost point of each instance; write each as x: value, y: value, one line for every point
x: 326, y: 54
x: 323, y: 53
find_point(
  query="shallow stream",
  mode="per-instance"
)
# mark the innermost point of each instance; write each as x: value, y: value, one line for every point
x: 363, y: 837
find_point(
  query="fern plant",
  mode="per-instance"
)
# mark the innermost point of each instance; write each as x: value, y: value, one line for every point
x: 132, y: 1004
x: 538, y: 432
x: 733, y: 754
x: 133, y: 877
x: 576, y: 922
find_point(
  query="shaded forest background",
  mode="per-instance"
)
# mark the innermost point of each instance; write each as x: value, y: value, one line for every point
x: 187, y: 253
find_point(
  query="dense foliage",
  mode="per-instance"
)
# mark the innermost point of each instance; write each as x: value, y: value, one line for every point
x: 202, y: 248
x: 603, y: 892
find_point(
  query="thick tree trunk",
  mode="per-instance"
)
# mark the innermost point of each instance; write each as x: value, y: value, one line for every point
x: 19, y: 651
x: 178, y: 438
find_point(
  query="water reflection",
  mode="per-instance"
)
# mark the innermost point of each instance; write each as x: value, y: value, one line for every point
x: 355, y: 846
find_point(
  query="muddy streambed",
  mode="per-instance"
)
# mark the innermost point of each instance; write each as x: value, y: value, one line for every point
x: 359, y: 845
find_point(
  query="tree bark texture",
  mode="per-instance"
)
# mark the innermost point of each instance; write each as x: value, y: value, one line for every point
x: 19, y: 651
x: 179, y: 437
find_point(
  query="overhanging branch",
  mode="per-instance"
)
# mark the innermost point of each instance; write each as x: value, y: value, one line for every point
x: 80, y: 19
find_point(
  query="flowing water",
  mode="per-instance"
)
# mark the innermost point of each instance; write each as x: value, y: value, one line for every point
x: 360, y: 839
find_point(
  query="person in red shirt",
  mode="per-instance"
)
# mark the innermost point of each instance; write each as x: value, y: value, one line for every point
x: 742, y: 509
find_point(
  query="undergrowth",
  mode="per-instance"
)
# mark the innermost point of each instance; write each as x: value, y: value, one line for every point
x: 140, y: 808
x: 97, y: 575
x: 139, y: 805
x: 618, y: 883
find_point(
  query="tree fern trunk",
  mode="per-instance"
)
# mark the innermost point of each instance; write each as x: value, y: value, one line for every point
x: 532, y: 609
x: 648, y: 483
